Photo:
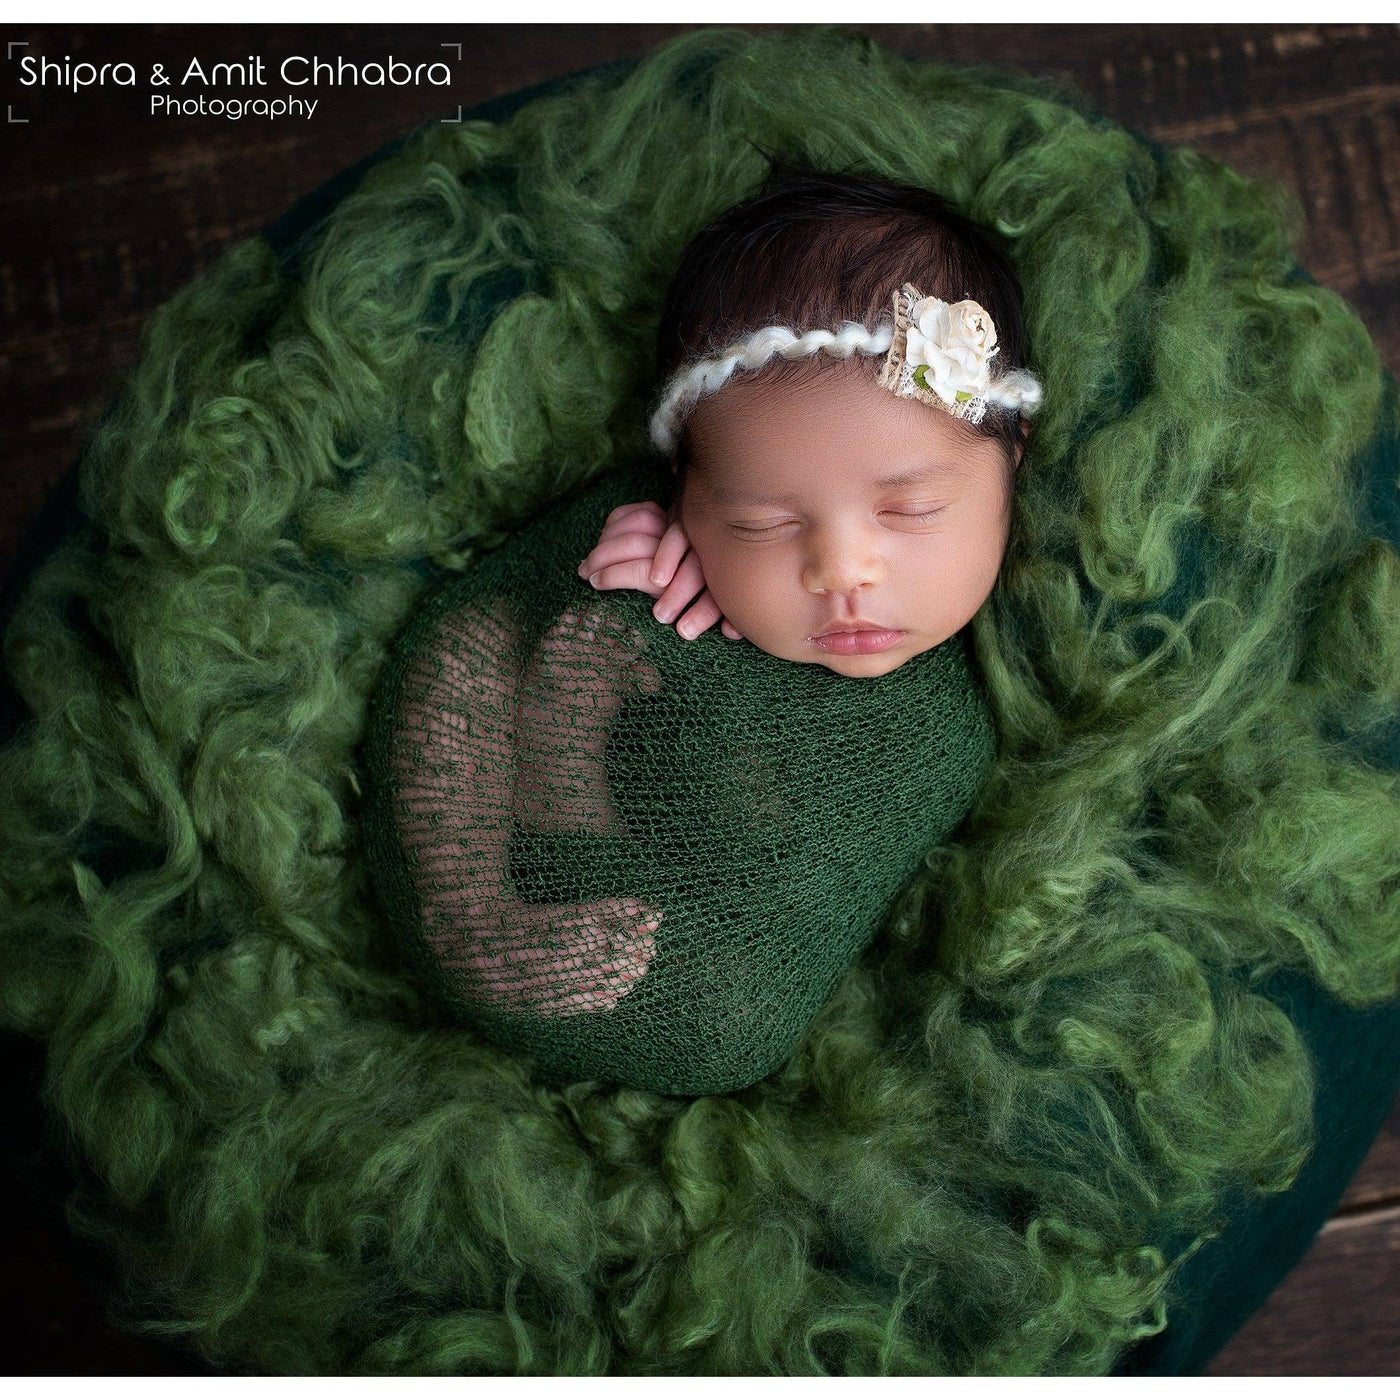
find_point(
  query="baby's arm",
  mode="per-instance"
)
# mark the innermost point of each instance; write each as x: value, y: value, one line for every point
x: 571, y: 691
x: 457, y: 785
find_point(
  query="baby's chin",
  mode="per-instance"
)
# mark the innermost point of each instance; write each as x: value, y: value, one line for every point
x: 879, y: 663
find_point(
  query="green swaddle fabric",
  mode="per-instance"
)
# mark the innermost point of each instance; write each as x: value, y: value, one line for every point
x: 638, y: 858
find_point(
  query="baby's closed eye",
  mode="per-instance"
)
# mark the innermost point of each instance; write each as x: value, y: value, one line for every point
x: 914, y: 515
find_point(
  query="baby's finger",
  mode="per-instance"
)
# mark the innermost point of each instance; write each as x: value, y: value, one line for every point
x: 633, y: 544
x: 628, y: 573
x: 644, y: 510
x: 730, y: 630
x: 669, y: 553
x: 645, y: 522
x: 650, y: 523
x: 682, y: 590
x: 703, y: 613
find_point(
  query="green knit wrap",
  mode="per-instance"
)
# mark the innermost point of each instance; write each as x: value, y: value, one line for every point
x: 549, y: 768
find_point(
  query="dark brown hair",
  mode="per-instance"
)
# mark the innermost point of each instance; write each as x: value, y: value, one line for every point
x: 818, y: 247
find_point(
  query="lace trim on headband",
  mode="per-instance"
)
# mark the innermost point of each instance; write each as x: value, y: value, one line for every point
x: 897, y: 373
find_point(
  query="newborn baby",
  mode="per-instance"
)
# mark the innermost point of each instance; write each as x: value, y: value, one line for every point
x: 648, y: 855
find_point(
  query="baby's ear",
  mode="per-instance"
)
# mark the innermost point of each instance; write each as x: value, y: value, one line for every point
x: 1023, y: 438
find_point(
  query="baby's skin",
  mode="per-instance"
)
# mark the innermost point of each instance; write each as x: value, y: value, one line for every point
x: 817, y: 507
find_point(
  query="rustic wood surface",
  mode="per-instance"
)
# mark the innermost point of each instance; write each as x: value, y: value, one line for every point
x: 108, y: 210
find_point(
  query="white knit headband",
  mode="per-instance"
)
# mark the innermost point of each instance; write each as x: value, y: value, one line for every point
x: 935, y: 352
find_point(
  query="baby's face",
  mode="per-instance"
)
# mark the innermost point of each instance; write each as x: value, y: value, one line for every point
x: 797, y: 524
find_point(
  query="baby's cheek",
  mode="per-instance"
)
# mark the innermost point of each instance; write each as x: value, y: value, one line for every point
x: 747, y: 589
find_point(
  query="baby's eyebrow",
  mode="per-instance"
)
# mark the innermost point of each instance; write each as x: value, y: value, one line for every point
x: 924, y: 473
x: 927, y: 472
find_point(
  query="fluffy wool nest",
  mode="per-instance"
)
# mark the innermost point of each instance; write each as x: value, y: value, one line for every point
x: 1020, y: 1108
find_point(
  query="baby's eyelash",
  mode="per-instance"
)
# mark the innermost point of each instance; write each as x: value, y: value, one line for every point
x: 758, y: 532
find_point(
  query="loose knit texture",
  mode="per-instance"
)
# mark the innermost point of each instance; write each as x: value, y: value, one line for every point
x: 635, y: 858
x: 1027, y: 1096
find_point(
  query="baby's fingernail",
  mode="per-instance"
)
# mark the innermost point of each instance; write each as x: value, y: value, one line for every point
x: 657, y: 576
x: 593, y: 579
x: 663, y: 612
x: 687, y: 629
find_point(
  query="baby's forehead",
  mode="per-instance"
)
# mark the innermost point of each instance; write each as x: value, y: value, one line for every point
x: 759, y: 423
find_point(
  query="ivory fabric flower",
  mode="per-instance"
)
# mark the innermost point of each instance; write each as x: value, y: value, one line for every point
x: 951, y: 347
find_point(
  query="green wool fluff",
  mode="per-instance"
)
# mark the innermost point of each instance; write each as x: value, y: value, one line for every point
x: 1020, y: 1106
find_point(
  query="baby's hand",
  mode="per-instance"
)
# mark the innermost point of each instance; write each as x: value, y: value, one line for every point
x: 638, y: 550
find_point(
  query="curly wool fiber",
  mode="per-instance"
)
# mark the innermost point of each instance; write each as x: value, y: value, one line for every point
x: 1022, y: 1106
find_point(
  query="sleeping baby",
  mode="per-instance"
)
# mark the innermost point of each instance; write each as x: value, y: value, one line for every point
x: 648, y: 854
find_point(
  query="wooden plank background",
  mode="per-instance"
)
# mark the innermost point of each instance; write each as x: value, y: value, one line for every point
x: 107, y: 211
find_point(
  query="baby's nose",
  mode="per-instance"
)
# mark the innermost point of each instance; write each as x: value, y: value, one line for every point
x: 842, y: 572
